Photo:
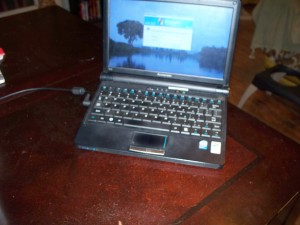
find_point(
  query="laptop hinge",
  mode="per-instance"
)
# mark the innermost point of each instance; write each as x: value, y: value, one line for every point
x: 223, y: 91
x: 104, y: 77
x: 165, y: 83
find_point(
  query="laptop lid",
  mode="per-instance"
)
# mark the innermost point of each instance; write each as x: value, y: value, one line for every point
x: 185, y: 40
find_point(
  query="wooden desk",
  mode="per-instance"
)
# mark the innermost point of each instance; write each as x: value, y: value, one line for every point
x: 45, y: 179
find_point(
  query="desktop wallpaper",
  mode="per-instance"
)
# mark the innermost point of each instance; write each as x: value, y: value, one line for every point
x: 176, y: 38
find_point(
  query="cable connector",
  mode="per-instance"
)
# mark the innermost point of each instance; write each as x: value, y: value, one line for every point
x: 86, y: 101
x: 78, y: 91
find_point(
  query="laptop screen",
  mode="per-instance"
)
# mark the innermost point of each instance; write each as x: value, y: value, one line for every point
x: 169, y: 38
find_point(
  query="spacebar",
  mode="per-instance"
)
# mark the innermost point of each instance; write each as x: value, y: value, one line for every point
x: 146, y: 125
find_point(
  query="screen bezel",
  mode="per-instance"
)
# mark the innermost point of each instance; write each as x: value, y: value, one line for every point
x: 234, y: 4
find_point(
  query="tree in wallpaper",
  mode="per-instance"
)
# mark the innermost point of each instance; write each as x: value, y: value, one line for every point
x: 131, y: 30
x: 217, y: 54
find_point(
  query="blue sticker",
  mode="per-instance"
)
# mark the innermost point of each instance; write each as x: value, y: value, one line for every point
x: 203, y: 145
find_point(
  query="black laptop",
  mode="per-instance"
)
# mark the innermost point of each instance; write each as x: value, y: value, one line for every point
x: 164, y: 86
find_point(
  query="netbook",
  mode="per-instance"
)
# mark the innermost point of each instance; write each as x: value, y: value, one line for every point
x: 164, y: 86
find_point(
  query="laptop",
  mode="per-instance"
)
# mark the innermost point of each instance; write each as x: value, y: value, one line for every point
x: 163, y: 90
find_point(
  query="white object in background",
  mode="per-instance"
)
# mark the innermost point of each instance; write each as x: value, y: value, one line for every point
x: 2, y: 54
x: 2, y: 80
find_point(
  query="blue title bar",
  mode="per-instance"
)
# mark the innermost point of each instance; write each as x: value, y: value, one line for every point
x: 168, y: 22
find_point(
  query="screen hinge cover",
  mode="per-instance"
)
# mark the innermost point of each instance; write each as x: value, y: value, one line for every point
x: 223, y: 91
x: 169, y: 84
x: 106, y: 77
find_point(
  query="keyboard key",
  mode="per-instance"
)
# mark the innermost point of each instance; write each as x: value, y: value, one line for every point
x: 206, y: 133
x: 146, y: 117
x: 98, y: 111
x: 217, y: 113
x: 175, y: 129
x: 196, y: 132
x: 216, y: 127
x: 185, y: 130
x: 216, y: 134
x: 213, y: 119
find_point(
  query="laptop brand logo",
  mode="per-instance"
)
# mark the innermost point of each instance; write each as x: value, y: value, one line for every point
x: 164, y: 75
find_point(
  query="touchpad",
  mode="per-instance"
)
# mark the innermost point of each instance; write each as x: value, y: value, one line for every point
x: 148, y: 143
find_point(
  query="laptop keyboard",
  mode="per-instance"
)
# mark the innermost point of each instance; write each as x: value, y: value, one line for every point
x: 174, y: 112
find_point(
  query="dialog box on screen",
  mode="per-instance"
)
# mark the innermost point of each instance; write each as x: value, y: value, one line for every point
x: 168, y: 32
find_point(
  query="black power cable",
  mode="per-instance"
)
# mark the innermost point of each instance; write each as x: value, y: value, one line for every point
x: 74, y: 91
